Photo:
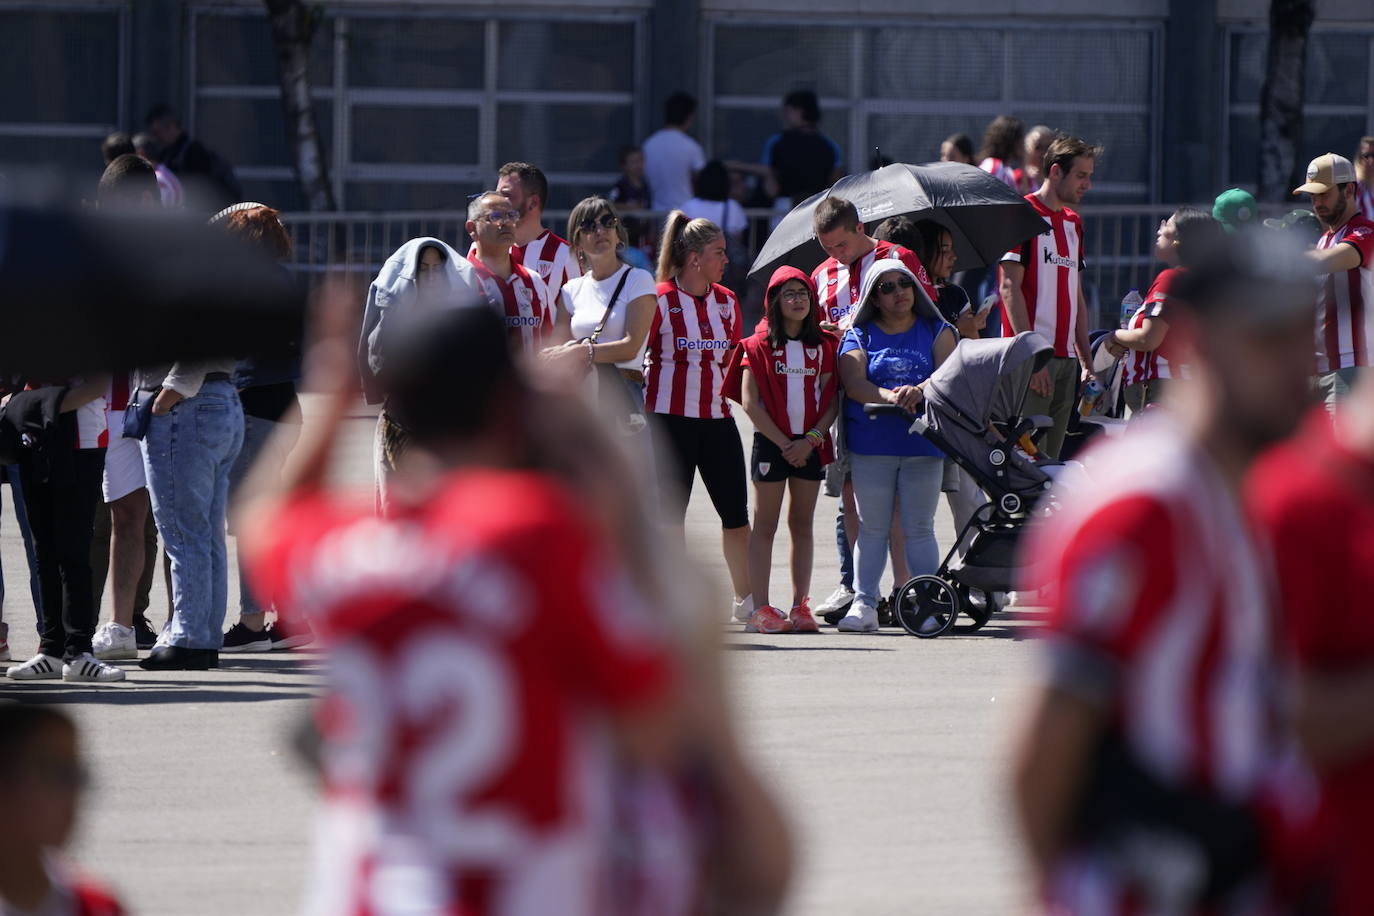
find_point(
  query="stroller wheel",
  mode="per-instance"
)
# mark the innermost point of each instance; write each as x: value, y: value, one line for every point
x: 927, y: 607
x: 979, y: 614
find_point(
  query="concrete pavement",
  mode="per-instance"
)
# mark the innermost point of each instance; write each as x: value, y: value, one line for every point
x: 889, y: 753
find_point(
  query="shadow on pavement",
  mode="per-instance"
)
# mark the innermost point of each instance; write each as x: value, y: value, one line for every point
x: 734, y: 646
x: 134, y: 695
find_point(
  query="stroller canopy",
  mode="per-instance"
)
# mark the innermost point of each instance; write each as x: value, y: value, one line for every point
x: 985, y: 380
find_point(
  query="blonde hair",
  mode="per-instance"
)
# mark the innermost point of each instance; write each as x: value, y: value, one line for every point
x: 680, y: 236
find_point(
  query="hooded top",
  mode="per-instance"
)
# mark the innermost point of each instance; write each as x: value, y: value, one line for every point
x: 924, y: 307
x: 395, y: 291
x: 789, y: 377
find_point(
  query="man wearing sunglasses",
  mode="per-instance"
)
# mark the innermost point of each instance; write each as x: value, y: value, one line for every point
x: 513, y: 290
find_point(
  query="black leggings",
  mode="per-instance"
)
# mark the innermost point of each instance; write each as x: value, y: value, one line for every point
x: 685, y: 445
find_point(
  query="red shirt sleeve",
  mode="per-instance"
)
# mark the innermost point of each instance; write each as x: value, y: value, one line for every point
x: 1108, y: 579
x: 1160, y: 296
x: 1362, y: 237
x: 600, y: 632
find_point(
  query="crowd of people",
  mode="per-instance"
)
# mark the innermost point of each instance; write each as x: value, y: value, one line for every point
x: 518, y: 536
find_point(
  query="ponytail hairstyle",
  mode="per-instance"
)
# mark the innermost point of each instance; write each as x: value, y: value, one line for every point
x: 681, y: 236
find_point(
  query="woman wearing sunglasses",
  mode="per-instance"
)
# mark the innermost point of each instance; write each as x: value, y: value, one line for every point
x: 612, y: 305
x: 896, y: 342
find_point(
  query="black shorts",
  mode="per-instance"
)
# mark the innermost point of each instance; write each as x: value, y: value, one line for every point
x: 768, y: 466
x: 685, y: 445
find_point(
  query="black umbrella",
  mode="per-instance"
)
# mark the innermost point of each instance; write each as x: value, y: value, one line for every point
x: 984, y: 216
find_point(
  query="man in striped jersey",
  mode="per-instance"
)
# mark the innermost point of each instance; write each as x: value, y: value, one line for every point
x: 510, y: 288
x: 537, y: 248
x: 852, y: 251
x: 1153, y: 774
x: 1345, y: 260
x: 1042, y: 285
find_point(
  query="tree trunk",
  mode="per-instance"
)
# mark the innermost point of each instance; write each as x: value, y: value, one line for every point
x: 293, y: 27
x: 1282, y: 98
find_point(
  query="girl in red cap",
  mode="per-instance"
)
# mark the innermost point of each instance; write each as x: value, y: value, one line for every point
x: 784, y: 376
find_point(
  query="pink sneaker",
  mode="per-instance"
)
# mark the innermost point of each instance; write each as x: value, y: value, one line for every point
x: 768, y: 619
x: 802, y: 621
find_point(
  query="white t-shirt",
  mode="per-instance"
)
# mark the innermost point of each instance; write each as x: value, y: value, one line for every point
x: 585, y: 299
x: 727, y: 214
x: 671, y: 158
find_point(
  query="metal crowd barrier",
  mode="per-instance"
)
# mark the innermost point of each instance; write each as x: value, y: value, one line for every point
x: 1118, y: 239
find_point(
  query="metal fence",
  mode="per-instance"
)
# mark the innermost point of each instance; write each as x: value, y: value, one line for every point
x: 1119, y: 243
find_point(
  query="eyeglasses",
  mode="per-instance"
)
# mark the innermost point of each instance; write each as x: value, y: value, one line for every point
x: 888, y: 287
x: 501, y: 216
x: 794, y: 295
x: 591, y: 224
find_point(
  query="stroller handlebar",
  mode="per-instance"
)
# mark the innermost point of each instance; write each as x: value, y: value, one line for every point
x: 874, y: 410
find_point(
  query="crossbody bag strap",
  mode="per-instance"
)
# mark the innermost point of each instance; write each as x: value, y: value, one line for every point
x: 605, y: 316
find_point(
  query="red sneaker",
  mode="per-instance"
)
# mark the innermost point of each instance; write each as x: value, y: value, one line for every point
x: 801, y: 619
x: 768, y: 619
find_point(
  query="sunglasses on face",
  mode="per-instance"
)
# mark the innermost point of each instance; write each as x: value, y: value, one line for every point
x: 888, y: 287
x: 605, y: 221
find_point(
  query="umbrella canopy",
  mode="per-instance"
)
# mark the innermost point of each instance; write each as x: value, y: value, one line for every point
x: 986, y: 380
x: 985, y: 217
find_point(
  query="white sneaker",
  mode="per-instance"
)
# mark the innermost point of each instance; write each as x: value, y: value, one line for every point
x: 742, y: 610
x: 841, y: 597
x: 860, y: 619
x: 40, y: 667
x: 89, y: 668
x: 114, y: 641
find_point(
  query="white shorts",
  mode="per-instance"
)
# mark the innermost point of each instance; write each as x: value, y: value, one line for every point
x: 123, y: 467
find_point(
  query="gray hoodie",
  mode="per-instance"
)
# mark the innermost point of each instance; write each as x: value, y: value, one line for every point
x: 395, y: 293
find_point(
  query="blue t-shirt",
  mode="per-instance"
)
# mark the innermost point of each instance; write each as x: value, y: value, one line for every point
x: 894, y: 360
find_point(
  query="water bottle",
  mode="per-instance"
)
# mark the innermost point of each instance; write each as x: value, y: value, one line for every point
x: 1129, y: 306
x: 1091, y: 392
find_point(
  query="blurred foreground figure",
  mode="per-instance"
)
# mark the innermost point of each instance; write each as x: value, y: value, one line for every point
x: 1314, y: 497
x: 509, y: 729
x: 41, y: 779
x: 1155, y: 767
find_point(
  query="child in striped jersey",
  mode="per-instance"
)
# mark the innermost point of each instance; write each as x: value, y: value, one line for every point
x: 784, y: 377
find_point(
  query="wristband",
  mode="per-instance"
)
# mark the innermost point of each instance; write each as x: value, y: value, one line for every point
x: 815, y: 438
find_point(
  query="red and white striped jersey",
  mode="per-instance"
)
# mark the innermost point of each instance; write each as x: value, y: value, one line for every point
x: 1161, y: 362
x: 1364, y: 200
x: 1344, y: 301
x: 464, y: 765
x: 1053, y: 261
x: 796, y: 382
x: 1161, y: 614
x: 550, y: 257
x: 838, y: 284
x: 1016, y: 179
x: 689, y: 345
x: 523, y: 299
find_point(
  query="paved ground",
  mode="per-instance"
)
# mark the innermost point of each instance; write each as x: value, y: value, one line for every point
x: 888, y: 751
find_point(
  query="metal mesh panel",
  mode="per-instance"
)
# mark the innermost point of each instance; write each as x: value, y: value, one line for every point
x: 1081, y: 65
x: 415, y: 135
x: 59, y: 66
x: 566, y: 56
x: 909, y: 138
x: 770, y: 60
x: 416, y: 52
x: 237, y: 51
x: 934, y: 63
x: 250, y: 132
x: 740, y: 133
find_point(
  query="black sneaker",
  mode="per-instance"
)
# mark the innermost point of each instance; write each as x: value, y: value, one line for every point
x: 241, y: 639
x: 144, y: 636
x: 289, y: 637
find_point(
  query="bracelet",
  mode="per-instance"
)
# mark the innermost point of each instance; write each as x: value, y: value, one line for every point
x: 591, y: 353
x: 815, y: 438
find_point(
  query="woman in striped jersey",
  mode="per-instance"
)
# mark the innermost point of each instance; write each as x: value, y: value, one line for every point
x: 697, y: 323
x: 784, y: 376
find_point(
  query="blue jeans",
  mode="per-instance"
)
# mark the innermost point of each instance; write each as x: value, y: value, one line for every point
x: 21, y: 516
x: 845, y: 551
x: 187, y: 455
x: 882, y: 482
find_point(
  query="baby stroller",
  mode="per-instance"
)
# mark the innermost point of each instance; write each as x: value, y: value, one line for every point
x: 973, y: 414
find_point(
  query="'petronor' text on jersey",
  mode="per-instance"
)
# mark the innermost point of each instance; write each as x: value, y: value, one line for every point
x: 688, y: 343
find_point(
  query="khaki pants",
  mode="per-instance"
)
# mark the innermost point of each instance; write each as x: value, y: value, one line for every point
x: 1064, y: 372
x: 1140, y: 395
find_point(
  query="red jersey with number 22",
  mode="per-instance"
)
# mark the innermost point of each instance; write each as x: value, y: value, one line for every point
x: 463, y: 770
